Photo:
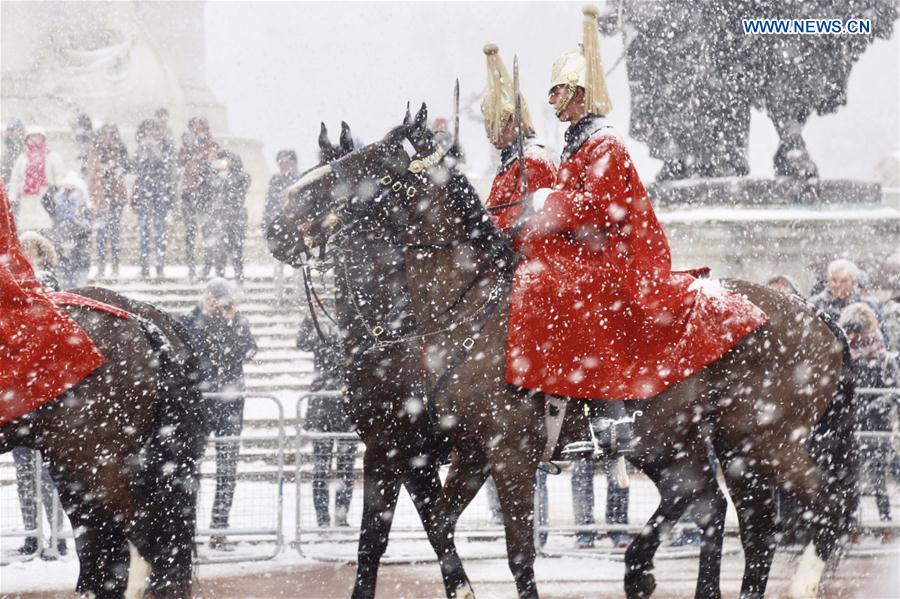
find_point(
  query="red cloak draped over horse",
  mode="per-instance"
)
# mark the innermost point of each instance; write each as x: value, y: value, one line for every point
x: 596, y: 310
x: 43, y: 352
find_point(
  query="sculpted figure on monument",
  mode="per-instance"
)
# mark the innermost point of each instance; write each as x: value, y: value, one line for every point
x: 101, y: 63
x: 694, y: 76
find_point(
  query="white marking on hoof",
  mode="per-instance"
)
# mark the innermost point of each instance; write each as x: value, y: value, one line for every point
x: 465, y: 592
x: 138, y: 574
x: 622, y: 474
x: 805, y: 583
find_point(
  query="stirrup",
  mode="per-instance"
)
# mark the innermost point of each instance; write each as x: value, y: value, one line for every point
x: 609, y: 439
x: 579, y: 449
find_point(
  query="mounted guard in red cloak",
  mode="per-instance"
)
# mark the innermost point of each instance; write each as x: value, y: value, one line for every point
x: 517, y: 175
x: 596, y: 310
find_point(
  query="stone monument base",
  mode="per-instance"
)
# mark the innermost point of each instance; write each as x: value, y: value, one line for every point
x: 783, y: 191
x: 755, y: 229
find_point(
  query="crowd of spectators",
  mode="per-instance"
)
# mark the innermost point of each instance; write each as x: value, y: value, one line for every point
x: 872, y: 330
x: 79, y: 207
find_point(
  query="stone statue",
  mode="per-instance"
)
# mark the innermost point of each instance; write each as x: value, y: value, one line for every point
x: 694, y: 76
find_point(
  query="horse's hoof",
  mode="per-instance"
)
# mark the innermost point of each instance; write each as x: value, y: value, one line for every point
x: 464, y: 592
x: 805, y: 583
x: 639, y: 585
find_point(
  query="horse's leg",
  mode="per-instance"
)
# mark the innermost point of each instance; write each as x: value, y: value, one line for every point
x: 709, y: 512
x: 381, y: 486
x: 639, y: 580
x: 424, y: 487
x: 100, y: 544
x: 755, y: 506
x: 681, y: 483
x: 515, y: 490
x: 466, y: 476
x: 103, y: 560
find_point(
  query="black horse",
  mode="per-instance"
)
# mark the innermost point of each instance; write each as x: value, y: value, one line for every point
x: 384, y: 384
x: 123, y: 448
x: 458, y: 273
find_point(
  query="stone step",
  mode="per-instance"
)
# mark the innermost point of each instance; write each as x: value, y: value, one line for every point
x: 278, y: 367
x: 282, y: 356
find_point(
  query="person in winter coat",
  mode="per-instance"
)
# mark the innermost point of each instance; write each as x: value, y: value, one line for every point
x: 36, y: 170
x: 842, y: 290
x: 194, y: 157
x: 154, y: 162
x: 223, y: 341
x: 871, y: 366
x: 41, y: 254
x: 225, y: 220
x: 328, y: 415
x: 286, y: 176
x: 13, y: 144
x: 784, y: 284
x: 72, y: 214
x: 107, y: 168
x: 84, y: 136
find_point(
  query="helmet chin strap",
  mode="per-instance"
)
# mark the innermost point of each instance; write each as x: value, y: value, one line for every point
x: 571, y: 90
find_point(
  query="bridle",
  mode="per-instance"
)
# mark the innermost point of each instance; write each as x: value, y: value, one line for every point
x: 404, y: 186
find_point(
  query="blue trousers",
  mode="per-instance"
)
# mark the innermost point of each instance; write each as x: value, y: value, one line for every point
x: 152, y: 221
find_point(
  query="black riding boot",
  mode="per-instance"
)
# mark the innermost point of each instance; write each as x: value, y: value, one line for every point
x: 613, y: 429
x: 611, y: 432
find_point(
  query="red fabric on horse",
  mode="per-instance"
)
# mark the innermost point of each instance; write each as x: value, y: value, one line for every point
x: 43, y: 352
x: 596, y: 310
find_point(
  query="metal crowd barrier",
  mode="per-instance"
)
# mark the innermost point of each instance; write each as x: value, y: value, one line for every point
x: 256, y: 515
x: 11, y: 525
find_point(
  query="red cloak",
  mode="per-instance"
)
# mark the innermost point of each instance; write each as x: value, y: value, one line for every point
x: 540, y: 171
x: 43, y: 352
x: 596, y: 311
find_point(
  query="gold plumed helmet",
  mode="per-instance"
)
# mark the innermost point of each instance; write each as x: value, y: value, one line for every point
x: 498, y: 103
x: 584, y: 68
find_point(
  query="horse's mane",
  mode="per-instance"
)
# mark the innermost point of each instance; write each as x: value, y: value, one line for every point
x: 478, y: 224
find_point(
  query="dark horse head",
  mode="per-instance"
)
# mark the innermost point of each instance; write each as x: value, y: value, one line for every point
x: 287, y: 240
x: 389, y: 187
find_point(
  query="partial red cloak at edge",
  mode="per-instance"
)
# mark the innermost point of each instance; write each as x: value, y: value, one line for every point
x: 43, y: 352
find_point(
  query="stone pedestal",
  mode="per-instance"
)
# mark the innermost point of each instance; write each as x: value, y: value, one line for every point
x: 755, y: 229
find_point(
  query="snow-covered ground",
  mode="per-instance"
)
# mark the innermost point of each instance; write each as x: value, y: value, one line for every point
x: 255, y: 525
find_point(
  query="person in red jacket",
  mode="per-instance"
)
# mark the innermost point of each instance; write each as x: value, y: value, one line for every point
x: 596, y: 310
x: 505, y: 202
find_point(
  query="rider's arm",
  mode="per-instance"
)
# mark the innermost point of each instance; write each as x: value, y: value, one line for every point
x: 604, y: 177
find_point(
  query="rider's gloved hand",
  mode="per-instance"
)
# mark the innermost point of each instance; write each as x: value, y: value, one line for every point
x: 539, y: 197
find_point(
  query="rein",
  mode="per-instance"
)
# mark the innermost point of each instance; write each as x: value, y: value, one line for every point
x: 310, y: 296
x: 500, y: 207
x: 400, y: 185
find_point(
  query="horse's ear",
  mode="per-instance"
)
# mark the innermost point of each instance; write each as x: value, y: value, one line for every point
x: 422, y: 117
x: 346, y: 141
x: 408, y: 118
x: 324, y: 144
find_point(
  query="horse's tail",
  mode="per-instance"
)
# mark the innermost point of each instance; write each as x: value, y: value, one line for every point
x: 170, y: 473
x: 834, y: 447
